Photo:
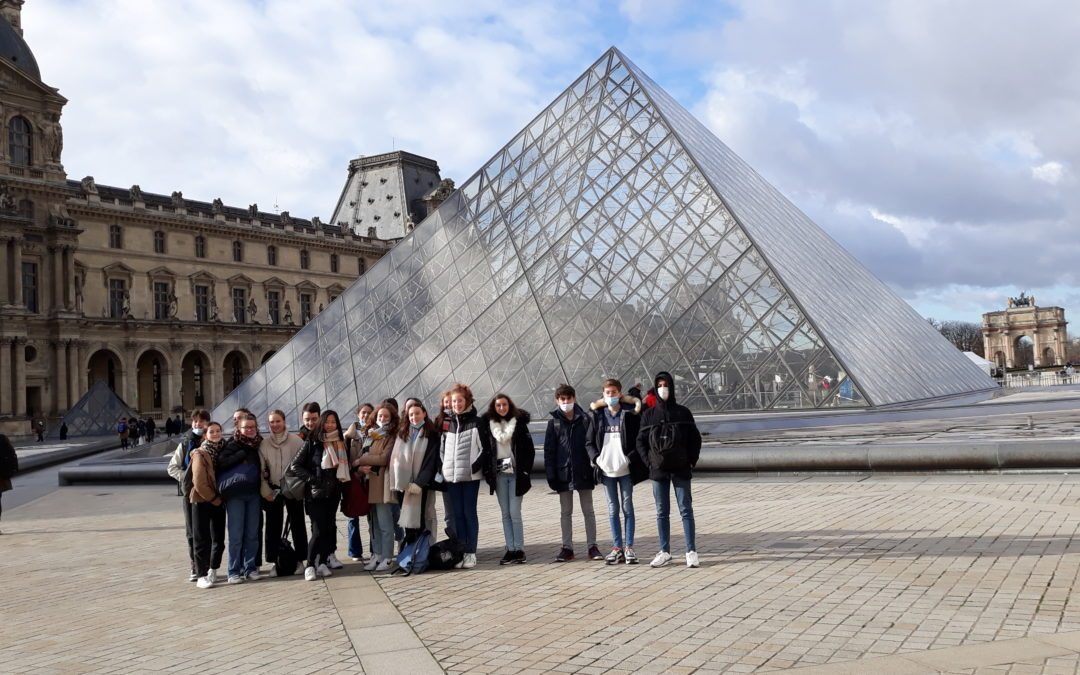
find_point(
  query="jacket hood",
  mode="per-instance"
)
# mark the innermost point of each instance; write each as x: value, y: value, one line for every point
x: 627, y: 399
x: 522, y: 416
x: 663, y: 374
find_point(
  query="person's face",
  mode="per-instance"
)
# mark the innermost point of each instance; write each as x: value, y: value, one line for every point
x: 446, y: 402
x: 198, y: 423
x: 383, y: 418
x: 277, y: 424
x: 363, y: 415
x: 248, y: 428
x: 612, y: 392
x: 214, y: 433
x: 565, y: 399
x: 310, y: 420
x: 236, y: 418
x: 502, y: 406
x: 663, y: 383
x: 416, y: 415
x: 330, y: 424
x: 458, y: 403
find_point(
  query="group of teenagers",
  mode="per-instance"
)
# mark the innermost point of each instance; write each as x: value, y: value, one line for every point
x: 258, y: 489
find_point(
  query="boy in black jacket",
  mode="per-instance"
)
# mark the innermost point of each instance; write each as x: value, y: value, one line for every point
x: 569, y: 470
x: 671, y: 443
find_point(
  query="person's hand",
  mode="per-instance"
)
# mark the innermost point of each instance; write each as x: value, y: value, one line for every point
x: 414, y: 489
x: 476, y: 466
x: 365, y: 470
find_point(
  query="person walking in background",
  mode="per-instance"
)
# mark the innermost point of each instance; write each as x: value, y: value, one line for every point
x: 39, y: 429
x: 122, y: 432
x: 671, y: 443
x: 612, y: 447
x: 207, y: 508
x: 238, y: 468
x: 9, y: 466
x: 566, y: 461
x: 63, y: 431
x: 179, y: 466
x: 509, y: 466
x: 323, y: 463
x: 277, y: 451
x: 375, y: 465
x: 464, y: 453
x: 358, y: 441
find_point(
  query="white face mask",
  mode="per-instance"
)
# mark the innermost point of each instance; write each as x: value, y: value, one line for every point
x: 566, y: 407
x: 663, y: 392
x: 196, y: 431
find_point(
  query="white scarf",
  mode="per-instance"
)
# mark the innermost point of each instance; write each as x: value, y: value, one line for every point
x: 503, y: 431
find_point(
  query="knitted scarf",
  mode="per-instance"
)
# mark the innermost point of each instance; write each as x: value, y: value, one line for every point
x: 248, y: 442
x: 212, y: 447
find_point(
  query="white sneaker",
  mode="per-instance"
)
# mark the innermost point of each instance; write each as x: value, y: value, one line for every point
x: 469, y: 562
x: 309, y: 574
x: 236, y: 580
x: 382, y: 566
x: 212, y: 575
x: 662, y: 558
x: 372, y: 564
x: 204, y: 582
x: 253, y: 575
x: 460, y: 564
x: 692, y: 559
x: 273, y: 572
x: 324, y: 571
x: 334, y: 563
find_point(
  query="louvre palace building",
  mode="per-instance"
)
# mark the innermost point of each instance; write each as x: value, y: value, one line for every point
x: 171, y: 301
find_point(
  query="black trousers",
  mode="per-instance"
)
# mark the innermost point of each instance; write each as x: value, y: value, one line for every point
x: 276, y: 512
x: 208, y: 525
x: 323, y: 513
x: 189, y: 530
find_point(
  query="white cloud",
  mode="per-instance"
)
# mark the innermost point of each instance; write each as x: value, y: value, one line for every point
x: 1049, y: 172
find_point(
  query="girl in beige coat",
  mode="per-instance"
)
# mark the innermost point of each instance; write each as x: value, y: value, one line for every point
x: 375, y: 464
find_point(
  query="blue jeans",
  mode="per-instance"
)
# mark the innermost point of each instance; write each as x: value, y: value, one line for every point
x: 662, y: 494
x: 612, y: 487
x: 242, y: 518
x: 510, y: 504
x: 382, y: 535
x: 356, y: 546
x: 463, y: 498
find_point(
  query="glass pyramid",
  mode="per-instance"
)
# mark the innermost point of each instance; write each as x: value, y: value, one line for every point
x: 615, y: 236
x: 95, y: 414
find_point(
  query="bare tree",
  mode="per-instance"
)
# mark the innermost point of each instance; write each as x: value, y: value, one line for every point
x: 966, y: 336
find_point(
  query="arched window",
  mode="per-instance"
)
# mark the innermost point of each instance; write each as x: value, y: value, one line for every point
x: 271, y: 255
x: 305, y: 260
x: 200, y: 246
x: 237, y: 251
x: 333, y: 263
x: 116, y: 237
x: 20, y: 141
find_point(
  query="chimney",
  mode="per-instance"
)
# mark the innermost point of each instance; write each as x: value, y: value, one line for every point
x: 12, y: 11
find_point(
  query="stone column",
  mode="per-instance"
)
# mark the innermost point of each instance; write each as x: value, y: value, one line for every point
x: 7, y: 378
x: 1036, y: 348
x: 57, y: 259
x: 60, y: 365
x: 5, y: 269
x: 1007, y: 347
x: 213, y: 396
x: 129, y: 378
x: 68, y: 260
x: 19, y: 358
x: 176, y: 382
x: 74, y: 393
x: 16, y: 273
x: 84, y: 376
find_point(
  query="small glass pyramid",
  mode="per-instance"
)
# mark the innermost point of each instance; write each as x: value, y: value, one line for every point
x: 95, y: 414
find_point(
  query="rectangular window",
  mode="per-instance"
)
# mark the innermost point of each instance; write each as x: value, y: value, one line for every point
x: 333, y: 263
x: 305, y: 307
x: 30, y: 286
x: 200, y: 246
x: 161, y: 300
x: 202, y: 303
x: 117, y: 298
x: 361, y: 265
x: 237, y: 251
x: 273, y: 306
x: 271, y: 255
x: 239, y: 303
x: 305, y: 260
x: 116, y: 237
x: 159, y: 242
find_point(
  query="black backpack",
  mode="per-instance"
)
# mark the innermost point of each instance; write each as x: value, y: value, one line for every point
x: 445, y: 555
x: 666, y: 447
x: 285, y: 565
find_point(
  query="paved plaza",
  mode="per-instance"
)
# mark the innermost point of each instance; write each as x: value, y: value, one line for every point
x: 970, y: 574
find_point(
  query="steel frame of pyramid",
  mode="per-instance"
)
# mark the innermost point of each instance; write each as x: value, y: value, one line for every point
x: 615, y: 236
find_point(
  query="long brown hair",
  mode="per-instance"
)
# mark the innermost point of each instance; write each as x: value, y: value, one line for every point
x: 427, y: 431
x: 394, y: 419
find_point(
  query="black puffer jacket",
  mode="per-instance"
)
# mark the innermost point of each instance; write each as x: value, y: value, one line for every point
x: 321, y: 483
x: 565, y: 457
x: 669, y: 424
x: 521, y: 446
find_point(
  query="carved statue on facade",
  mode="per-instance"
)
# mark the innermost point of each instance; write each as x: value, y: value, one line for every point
x: 125, y: 306
x: 213, y: 308
x: 286, y: 219
x: 217, y: 206
x: 53, y: 136
x: 7, y: 199
x: 178, y: 199
x: 252, y: 310
x: 316, y: 222
x: 253, y: 211
x: 88, y: 185
x: 173, y: 304
x: 1022, y: 301
x: 135, y: 193
x: 288, y: 313
x: 78, y: 293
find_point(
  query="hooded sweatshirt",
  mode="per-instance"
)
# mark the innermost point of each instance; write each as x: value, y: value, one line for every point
x: 672, y: 425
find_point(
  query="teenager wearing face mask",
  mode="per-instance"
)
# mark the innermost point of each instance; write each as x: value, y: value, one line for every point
x: 442, y: 425
x: 323, y: 464
x: 358, y: 441
x: 670, y: 442
x: 569, y: 470
x: 463, y: 452
x: 277, y: 451
x: 242, y: 501
x: 509, y: 467
x: 178, y: 466
x: 413, y: 464
x: 612, y: 446
x: 207, y: 508
x: 374, y: 463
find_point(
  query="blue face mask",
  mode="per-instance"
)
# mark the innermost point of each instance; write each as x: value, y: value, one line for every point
x: 197, y: 432
x: 612, y: 401
x: 416, y: 426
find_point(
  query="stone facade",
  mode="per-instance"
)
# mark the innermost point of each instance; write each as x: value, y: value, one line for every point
x: 169, y: 300
x: 1044, y: 326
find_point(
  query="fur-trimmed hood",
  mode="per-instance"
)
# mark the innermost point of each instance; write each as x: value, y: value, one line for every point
x: 626, y: 398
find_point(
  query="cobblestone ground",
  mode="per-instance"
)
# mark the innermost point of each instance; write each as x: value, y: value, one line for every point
x: 970, y: 574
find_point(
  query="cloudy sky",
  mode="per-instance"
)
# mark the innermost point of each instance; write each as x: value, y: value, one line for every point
x: 936, y: 140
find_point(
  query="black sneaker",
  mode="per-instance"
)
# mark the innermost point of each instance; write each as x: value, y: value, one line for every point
x: 508, y: 557
x: 615, y: 557
x: 519, y: 558
x: 594, y: 553
x: 565, y: 555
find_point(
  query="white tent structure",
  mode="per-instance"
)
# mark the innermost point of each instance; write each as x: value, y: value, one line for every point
x: 987, y: 366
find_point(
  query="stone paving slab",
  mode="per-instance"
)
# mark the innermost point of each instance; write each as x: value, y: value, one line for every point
x: 971, y: 574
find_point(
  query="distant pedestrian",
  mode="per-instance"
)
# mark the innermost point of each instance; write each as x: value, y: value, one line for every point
x: 151, y: 429
x: 39, y: 429
x: 122, y: 431
x: 9, y: 466
x: 63, y: 431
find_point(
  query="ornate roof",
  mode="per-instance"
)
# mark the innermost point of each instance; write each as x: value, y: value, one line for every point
x: 14, y: 50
